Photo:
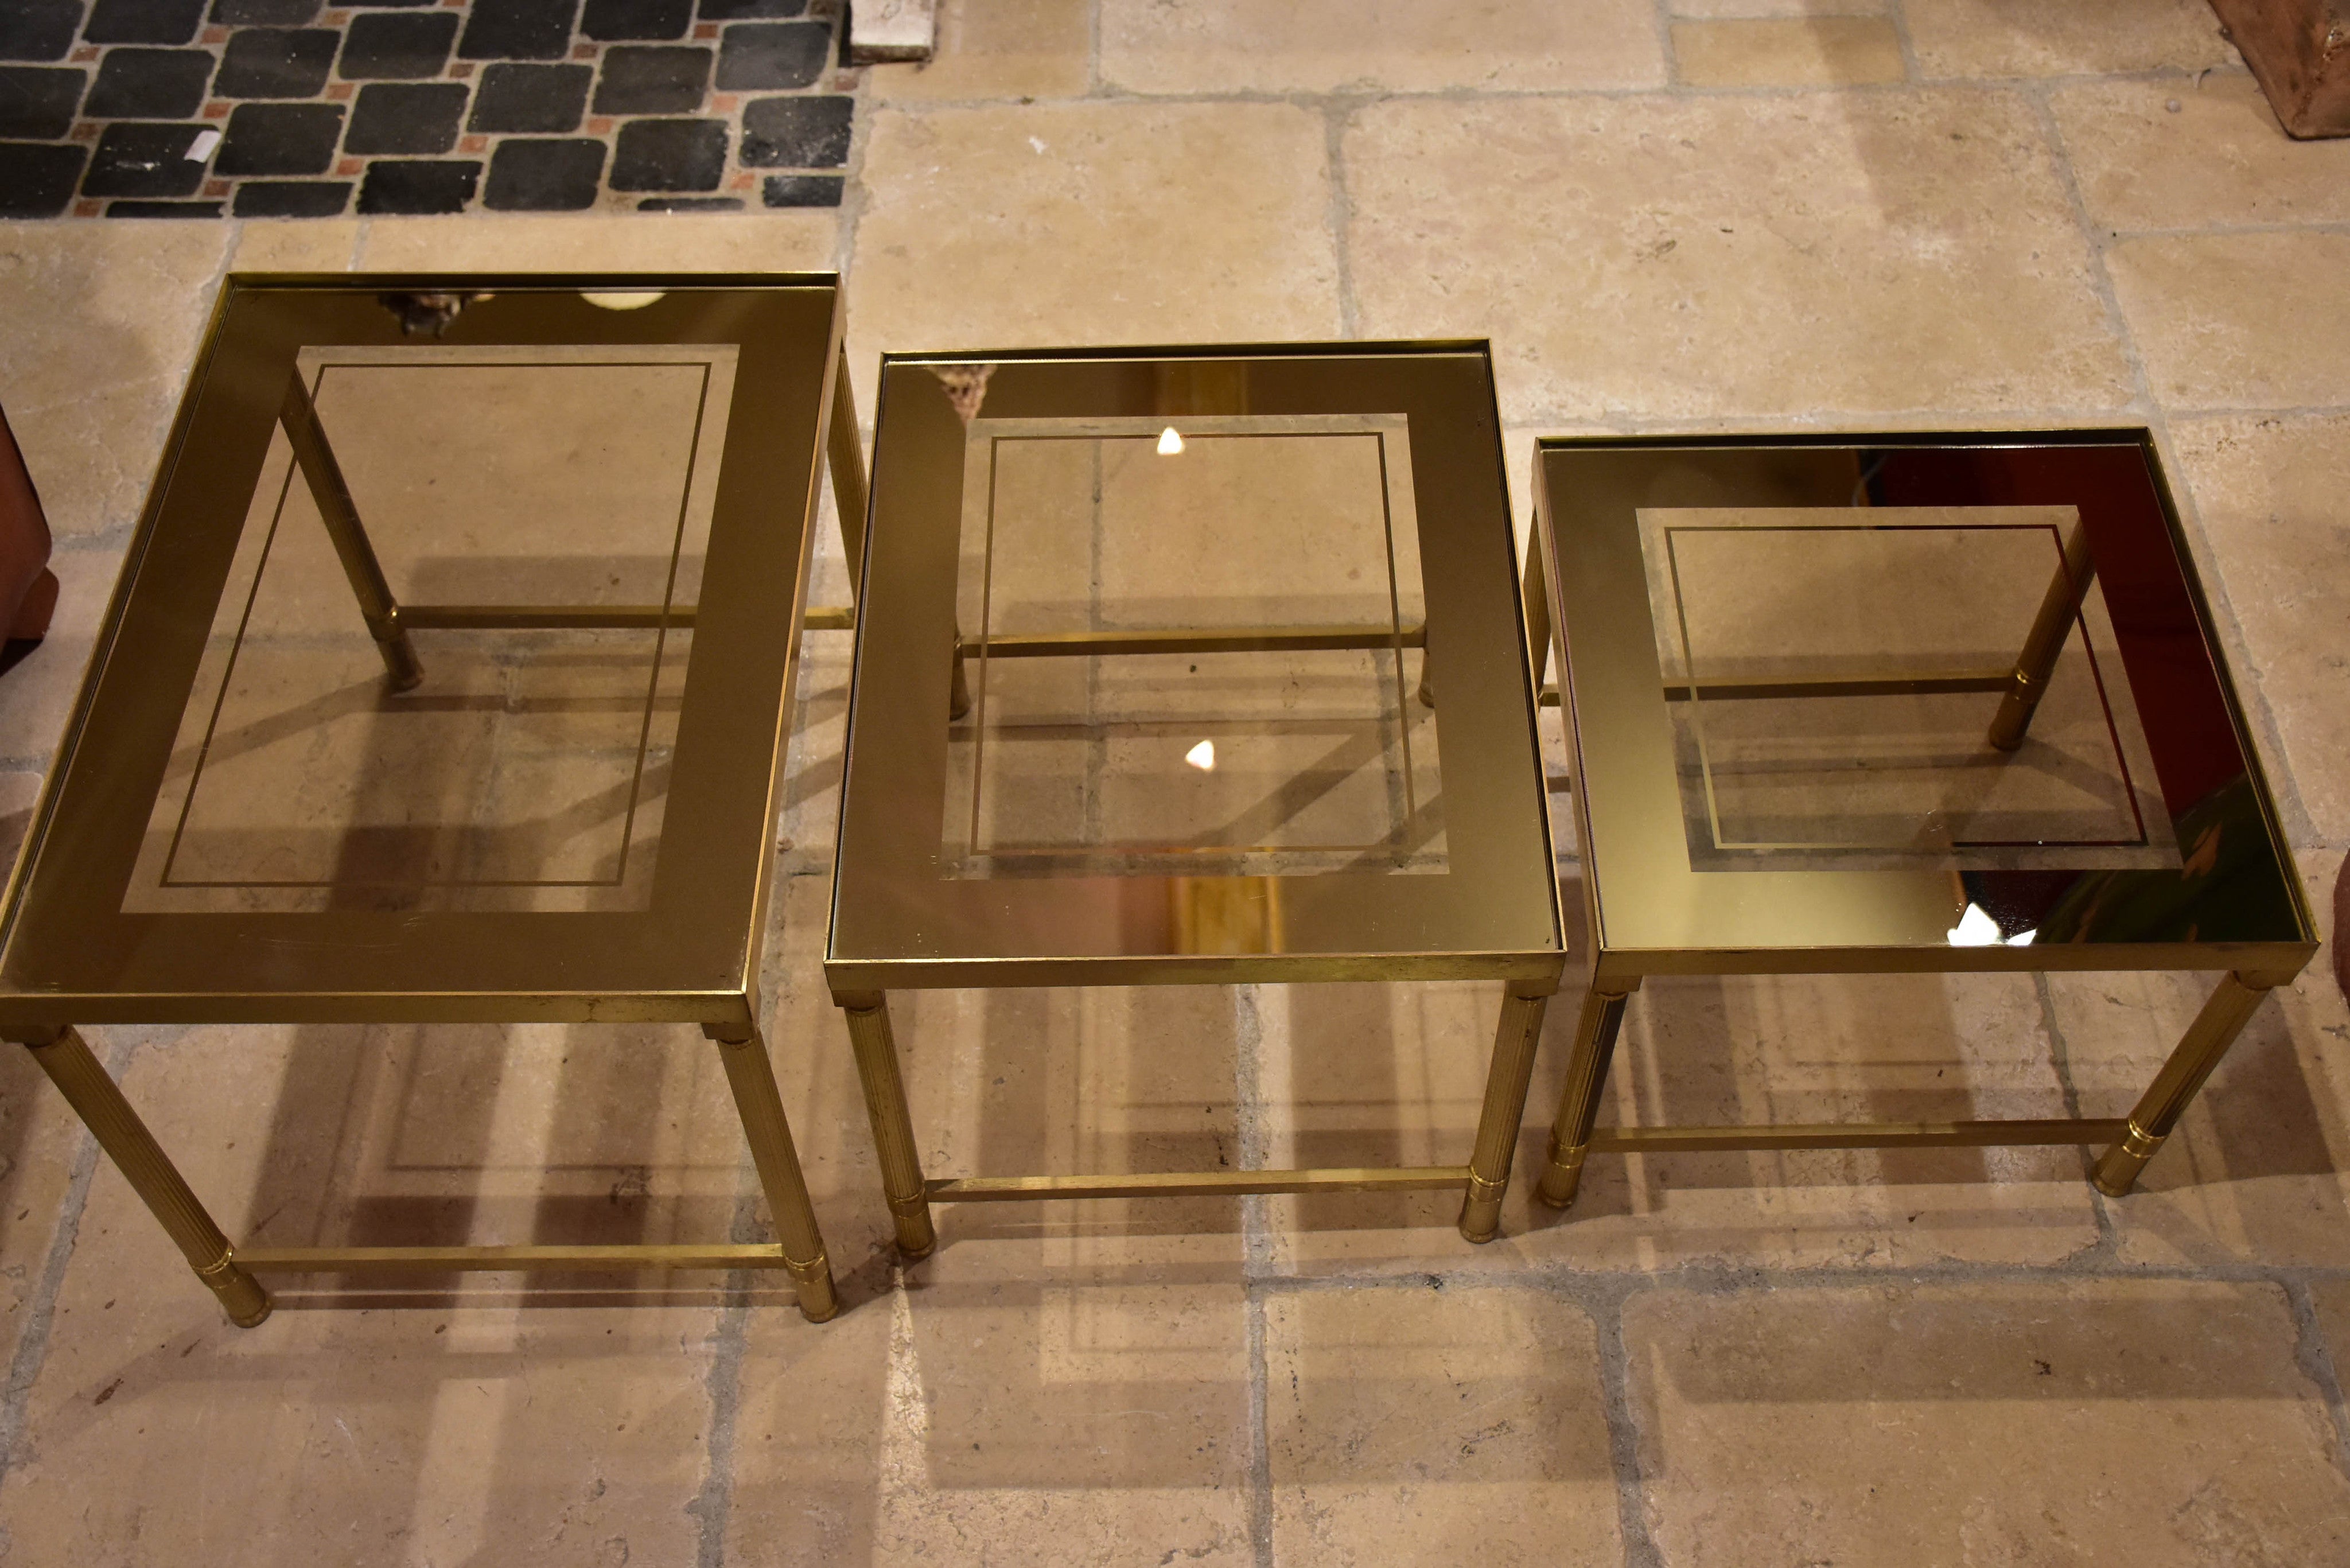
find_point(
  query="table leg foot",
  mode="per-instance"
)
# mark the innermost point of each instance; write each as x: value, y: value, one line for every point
x: 2230, y: 1007
x: 893, y: 1127
x: 240, y: 1293
x: 1562, y: 1176
x: 1505, y: 1110
x: 819, y: 1302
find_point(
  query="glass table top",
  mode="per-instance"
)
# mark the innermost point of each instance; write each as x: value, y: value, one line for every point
x: 1910, y: 692
x: 457, y: 611
x: 1241, y: 641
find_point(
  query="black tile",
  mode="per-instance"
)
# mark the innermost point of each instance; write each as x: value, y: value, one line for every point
x: 759, y: 56
x: 517, y: 30
x: 280, y: 139
x: 143, y: 21
x: 263, y: 13
x: 670, y: 155
x: 42, y: 29
x: 36, y: 102
x: 163, y: 209
x: 37, y: 179
x: 395, y: 44
x: 802, y: 190
x: 609, y: 20
x: 652, y: 81
x: 150, y: 84
x: 275, y: 62
x: 747, y: 10
x: 528, y: 175
x: 690, y: 204
x: 406, y: 117
x: 134, y: 160
x: 292, y: 198
x: 531, y: 97
x: 796, y: 132
x: 393, y: 185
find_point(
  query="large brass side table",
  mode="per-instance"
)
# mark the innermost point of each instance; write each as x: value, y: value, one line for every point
x: 1886, y: 703
x: 448, y: 680
x: 1190, y: 667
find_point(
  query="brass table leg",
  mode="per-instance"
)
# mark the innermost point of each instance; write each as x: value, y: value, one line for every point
x: 1505, y: 1110
x: 66, y: 1058
x: 2223, y: 1017
x: 2058, y: 610
x: 847, y: 460
x: 893, y: 1122
x: 1578, y: 1105
x: 324, y: 475
x: 753, y: 1078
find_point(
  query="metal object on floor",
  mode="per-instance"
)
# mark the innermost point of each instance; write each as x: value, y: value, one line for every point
x: 1179, y: 606
x: 1788, y: 758
x: 448, y: 681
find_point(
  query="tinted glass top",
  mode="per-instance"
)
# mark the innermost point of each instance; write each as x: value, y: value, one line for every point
x: 426, y: 643
x: 1926, y: 692
x: 1240, y: 643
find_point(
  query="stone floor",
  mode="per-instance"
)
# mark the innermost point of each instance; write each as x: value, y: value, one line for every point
x: 1925, y: 212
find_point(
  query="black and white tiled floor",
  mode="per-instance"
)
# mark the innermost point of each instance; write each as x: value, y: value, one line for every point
x: 302, y: 108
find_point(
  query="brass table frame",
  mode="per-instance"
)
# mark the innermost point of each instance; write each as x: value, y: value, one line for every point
x: 1579, y: 608
x: 804, y: 404
x: 909, y: 667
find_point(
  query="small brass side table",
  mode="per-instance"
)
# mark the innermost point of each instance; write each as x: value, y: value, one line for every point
x: 1900, y: 703
x: 1190, y: 667
x: 448, y: 680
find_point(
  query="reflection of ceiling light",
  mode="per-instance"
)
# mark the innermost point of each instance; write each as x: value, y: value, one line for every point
x: 1170, y: 443
x: 1978, y: 930
x: 1203, y: 755
x: 620, y: 299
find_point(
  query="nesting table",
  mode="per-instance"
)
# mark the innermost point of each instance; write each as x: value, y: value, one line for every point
x: 1872, y: 704
x: 1199, y: 666
x: 448, y: 680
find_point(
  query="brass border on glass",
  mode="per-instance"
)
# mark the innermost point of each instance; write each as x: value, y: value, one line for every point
x: 898, y: 922
x: 69, y: 953
x: 1650, y: 912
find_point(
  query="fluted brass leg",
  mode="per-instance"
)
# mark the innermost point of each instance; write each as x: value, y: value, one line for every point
x: 2174, y: 1088
x: 1578, y: 1104
x: 99, y: 1101
x: 893, y: 1124
x: 2059, y: 609
x: 324, y: 476
x: 1505, y: 1110
x: 753, y: 1078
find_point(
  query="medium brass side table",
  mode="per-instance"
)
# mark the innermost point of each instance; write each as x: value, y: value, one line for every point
x: 1900, y: 703
x: 448, y: 680
x: 1190, y: 667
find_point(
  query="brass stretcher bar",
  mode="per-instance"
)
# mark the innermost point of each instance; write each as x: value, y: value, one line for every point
x: 1202, y: 1183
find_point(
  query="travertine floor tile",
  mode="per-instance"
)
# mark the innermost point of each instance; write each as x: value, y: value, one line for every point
x: 1322, y: 46
x: 2273, y: 497
x: 1396, y: 1077
x: 2139, y: 1422
x: 39, y: 1137
x: 674, y: 241
x: 36, y: 696
x: 443, y: 1432
x: 1101, y: 223
x: 1075, y: 1082
x: 101, y: 323
x: 1792, y: 257
x: 2220, y: 158
x: 2221, y: 320
x: 997, y: 48
x: 2331, y: 1299
x: 296, y: 245
x: 2002, y: 38
x: 994, y: 1421
x: 1813, y: 51
x: 1409, y: 1424
x: 1777, y: 7
x: 2254, y: 1171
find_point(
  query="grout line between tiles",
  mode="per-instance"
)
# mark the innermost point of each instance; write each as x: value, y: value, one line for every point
x: 1341, y: 211
x: 1897, y: 13
x: 1256, y: 1251
x: 2316, y: 1359
x: 2298, y: 822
